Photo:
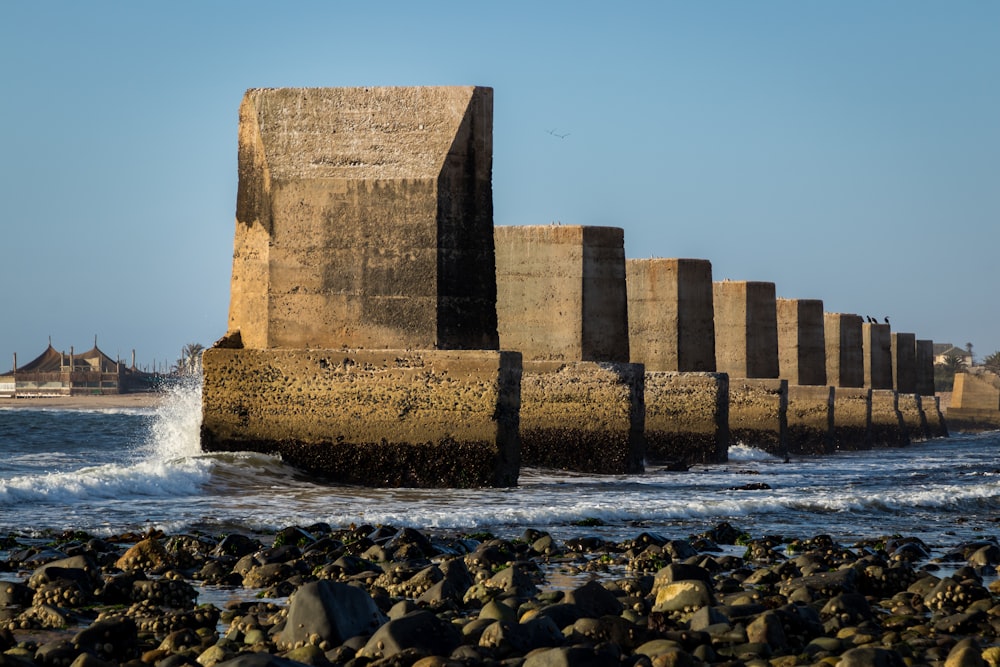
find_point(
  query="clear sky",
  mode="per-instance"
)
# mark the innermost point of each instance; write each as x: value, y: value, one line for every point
x: 847, y: 151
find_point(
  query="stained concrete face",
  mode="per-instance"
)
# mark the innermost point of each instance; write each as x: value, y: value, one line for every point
x: 364, y: 218
x: 887, y: 427
x: 852, y: 419
x: 801, y: 341
x: 746, y: 329
x: 877, y: 355
x: 844, y: 350
x: 670, y: 315
x: 374, y: 417
x: 561, y: 292
x: 924, y: 354
x: 687, y: 418
x: 975, y: 402
x: 903, y: 348
x: 758, y: 414
x: 810, y: 419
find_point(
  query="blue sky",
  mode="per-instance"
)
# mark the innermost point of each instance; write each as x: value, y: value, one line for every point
x: 846, y: 151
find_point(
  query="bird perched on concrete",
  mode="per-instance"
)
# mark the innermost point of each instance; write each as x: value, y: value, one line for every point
x: 887, y: 319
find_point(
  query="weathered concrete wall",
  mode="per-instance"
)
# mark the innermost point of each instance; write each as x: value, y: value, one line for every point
x: 852, y: 418
x: 758, y: 414
x: 561, y: 292
x: 924, y: 354
x: 746, y: 329
x: 583, y: 416
x: 903, y: 348
x: 877, y: 355
x: 364, y: 218
x: 936, y: 424
x: 975, y: 402
x: 887, y: 427
x: 801, y: 342
x: 373, y: 417
x: 914, y: 420
x: 845, y: 366
x: 810, y: 419
x: 670, y: 315
x: 687, y: 418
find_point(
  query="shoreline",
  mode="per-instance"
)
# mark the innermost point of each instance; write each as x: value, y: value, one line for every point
x: 99, y: 402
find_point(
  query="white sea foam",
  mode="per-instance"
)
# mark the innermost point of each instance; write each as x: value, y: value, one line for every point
x: 742, y: 452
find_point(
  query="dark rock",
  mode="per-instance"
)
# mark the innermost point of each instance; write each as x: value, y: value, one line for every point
x: 871, y: 657
x: 257, y: 660
x: 112, y: 639
x: 573, y: 656
x: 594, y: 600
x: 420, y: 630
x: 56, y: 653
x: 329, y: 612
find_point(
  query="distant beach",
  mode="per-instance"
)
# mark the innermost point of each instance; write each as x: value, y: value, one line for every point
x: 136, y: 400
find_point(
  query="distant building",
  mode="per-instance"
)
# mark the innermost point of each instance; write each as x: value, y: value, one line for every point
x: 55, y: 373
x: 944, y: 350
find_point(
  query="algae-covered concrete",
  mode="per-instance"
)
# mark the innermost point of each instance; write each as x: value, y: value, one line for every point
x: 671, y: 319
x: 912, y: 414
x: 374, y: 417
x: 845, y: 365
x: 746, y: 329
x: 801, y: 342
x: 936, y: 424
x: 364, y: 218
x: 758, y: 414
x: 584, y: 416
x: 687, y: 418
x: 852, y: 417
x: 810, y: 419
x: 887, y: 427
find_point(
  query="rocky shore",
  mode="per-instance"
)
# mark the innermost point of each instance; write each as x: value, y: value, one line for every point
x: 381, y: 596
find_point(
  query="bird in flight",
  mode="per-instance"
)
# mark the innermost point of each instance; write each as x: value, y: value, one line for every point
x: 556, y: 134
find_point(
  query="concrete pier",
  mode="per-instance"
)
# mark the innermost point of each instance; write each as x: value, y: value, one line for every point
x: 810, y: 419
x: 876, y: 346
x: 562, y: 303
x: 852, y: 419
x: 903, y: 350
x: 672, y: 333
x: 802, y: 362
x: 364, y: 220
x: 975, y: 402
x: 887, y: 429
x: 845, y: 371
x: 746, y: 348
x: 936, y: 424
x: 924, y: 367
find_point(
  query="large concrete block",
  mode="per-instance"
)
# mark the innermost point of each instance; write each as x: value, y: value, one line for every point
x: 801, y: 341
x: 364, y: 218
x: 975, y: 402
x: 671, y: 320
x: 852, y: 418
x: 936, y: 424
x: 887, y: 429
x: 561, y: 292
x: 583, y: 416
x: 687, y: 418
x: 877, y: 354
x: 746, y: 329
x: 758, y: 414
x: 810, y: 419
x: 924, y: 355
x: 903, y: 347
x: 372, y: 417
x: 845, y: 366
x: 914, y: 419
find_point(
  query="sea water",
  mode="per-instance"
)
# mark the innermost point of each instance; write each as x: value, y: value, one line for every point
x: 119, y: 470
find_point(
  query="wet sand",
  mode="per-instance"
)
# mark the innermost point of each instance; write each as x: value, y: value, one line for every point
x: 139, y: 400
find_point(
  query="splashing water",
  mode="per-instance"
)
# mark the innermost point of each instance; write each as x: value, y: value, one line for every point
x: 176, y: 429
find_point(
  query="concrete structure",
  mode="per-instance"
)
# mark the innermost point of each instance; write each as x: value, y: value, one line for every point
x: 687, y: 418
x: 758, y: 414
x: 903, y: 350
x: 672, y: 333
x: 845, y: 366
x: 975, y: 401
x: 801, y: 341
x: 924, y: 368
x: 671, y: 319
x: 911, y: 411
x: 562, y: 303
x: 852, y: 419
x: 936, y: 424
x: 364, y: 220
x: 887, y: 426
x: 810, y: 419
x: 746, y: 347
x: 876, y: 346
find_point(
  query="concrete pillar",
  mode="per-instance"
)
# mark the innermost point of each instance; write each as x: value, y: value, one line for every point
x: 936, y: 424
x: 914, y: 419
x: 801, y: 341
x: 364, y: 220
x: 924, y: 356
x: 562, y: 303
x: 852, y: 419
x: 810, y: 419
x: 672, y: 333
x: 887, y: 429
x: 903, y: 348
x: 670, y: 315
x: 746, y: 329
x: 975, y: 402
x: 877, y: 355
x: 844, y: 359
x: 746, y: 347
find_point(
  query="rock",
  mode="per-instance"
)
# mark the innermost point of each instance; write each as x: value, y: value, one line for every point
x: 56, y: 653
x: 148, y: 554
x: 257, y: 660
x: 418, y: 630
x: 594, y: 600
x: 870, y: 657
x: 329, y: 612
x: 767, y: 629
x: 965, y: 653
x: 113, y: 639
x: 573, y: 656
x: 683, y: 596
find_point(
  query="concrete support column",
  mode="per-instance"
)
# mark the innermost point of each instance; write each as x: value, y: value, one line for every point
x: 876, y: 344
x: 672, y: 333
x: 562, y: 303
x: 924, y: 357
